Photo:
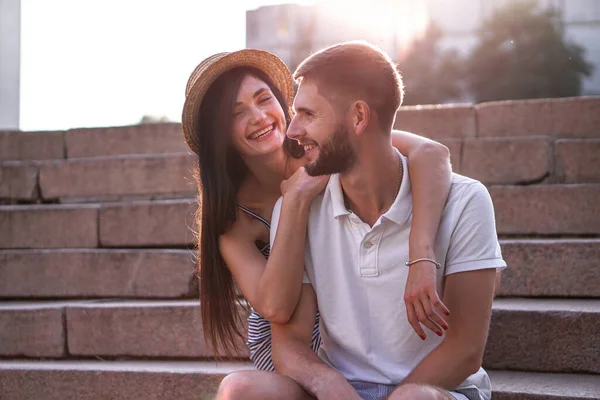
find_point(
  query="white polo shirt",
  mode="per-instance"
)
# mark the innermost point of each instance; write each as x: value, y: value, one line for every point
x: 359, y: 276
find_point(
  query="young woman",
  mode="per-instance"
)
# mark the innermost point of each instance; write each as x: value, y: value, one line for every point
x: 235, y: 119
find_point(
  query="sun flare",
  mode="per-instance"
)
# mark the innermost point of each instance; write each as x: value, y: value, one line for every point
x: 395, y: 23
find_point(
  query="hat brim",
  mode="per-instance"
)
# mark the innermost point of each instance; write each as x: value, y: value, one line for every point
x: 209, y: 70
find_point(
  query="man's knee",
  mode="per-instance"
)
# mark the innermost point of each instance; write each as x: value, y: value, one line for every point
x: 238, y: 385
x: 413, y: 391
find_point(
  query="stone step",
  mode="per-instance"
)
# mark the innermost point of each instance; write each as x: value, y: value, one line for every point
x: 147, y: 380
x: 15, y: 146
x: 127, y: 380
x: 544, y: 335
x: 118, y: 177
x: 104, y: 328
x: 18, y: 181
x: 134, y: 139
x: 49, y: 226
x: 157, y: 223
x: 92, y: 142
x: 526, y: 160
x: 547, y: 335
x: 513, y: 385
x: 537, y: 268
x: 574, y: 117
x: 547, y: 209
x: 91, y: 273
x: 520, y: 210
x: 499, y: 161
x: 551, y: 268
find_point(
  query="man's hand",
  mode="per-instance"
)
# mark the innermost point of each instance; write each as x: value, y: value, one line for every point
x: 423, y: 305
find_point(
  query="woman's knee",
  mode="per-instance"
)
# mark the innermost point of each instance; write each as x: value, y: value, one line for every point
x: 415, y: 391
x: 259, y: 385
x: 237, y: 385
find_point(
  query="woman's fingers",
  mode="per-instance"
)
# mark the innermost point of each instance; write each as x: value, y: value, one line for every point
x: 437, y: 303
x: 432, y: 315
x: 425, y: 320
x: 413, y: 321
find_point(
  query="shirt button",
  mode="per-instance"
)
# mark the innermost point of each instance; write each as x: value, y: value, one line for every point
x: 368, y: 245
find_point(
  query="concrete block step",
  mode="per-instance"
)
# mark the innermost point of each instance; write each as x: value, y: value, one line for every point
x: 148, y: 223
x: 122, y: 224
x: 15, y: 145
x: 118, y: 177
x: 104, y: 328
x: 507, y: 160
x: 574, y: 117
x: 520, y: 210
x: 95, y: 273
x: 544, y: 335
x: 32, y: 330
x: 439, y: 121
x: 537, y: 268
x: 533, y: 159
x: 134, y: 139
x: 49, y: 226
x: 548, y: 335
x: 155, y: 176
x: 547, y: 209
x: 516, y: 385
x: 126, y: 380
x: 577, y: 160
x: 18, y: 181
x: 551, y: 268
x: 198, y: 380
x: 122, y: 329
x: 92, y: 142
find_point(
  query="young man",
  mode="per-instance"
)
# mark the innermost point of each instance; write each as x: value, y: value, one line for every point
x: 357, y: 248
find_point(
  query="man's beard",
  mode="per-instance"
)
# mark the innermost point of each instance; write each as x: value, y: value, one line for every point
x: 335, y: 157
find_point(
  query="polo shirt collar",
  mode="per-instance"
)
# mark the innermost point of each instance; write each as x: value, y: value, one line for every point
x: 334, y: 187
x: 398, y: 213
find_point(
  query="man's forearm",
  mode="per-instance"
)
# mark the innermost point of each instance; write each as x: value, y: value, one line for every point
x: 296, y: 360
x: 447, y: 366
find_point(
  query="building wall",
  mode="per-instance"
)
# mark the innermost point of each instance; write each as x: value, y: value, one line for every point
x: 309, y: 28
x: 10, y: 63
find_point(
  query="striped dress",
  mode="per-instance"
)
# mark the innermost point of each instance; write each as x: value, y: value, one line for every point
x: 259, y: 329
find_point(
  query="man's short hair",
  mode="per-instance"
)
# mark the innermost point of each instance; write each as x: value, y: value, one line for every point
x: 356, y: 71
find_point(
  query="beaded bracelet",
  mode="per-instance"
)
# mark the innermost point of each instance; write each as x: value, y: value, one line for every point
x: 437, y: 264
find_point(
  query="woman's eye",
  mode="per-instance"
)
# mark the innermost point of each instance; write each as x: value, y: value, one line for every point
x: 237, y: 113
x: 265, y: 99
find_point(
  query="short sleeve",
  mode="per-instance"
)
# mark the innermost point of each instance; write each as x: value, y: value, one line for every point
x: 474, y: 242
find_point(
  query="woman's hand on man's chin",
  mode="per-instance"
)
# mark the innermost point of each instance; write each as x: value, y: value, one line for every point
x: 304, y: 186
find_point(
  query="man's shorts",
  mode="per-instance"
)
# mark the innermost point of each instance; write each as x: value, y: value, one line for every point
x: 377, y: 391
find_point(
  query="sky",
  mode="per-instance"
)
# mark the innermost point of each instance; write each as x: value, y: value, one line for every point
x: 110, y: 62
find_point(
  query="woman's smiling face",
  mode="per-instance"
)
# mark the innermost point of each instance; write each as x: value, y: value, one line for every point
x: 259, y: 125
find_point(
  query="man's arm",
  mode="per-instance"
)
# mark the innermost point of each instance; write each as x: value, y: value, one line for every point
x: 469, y: 295
x: 293, y: 357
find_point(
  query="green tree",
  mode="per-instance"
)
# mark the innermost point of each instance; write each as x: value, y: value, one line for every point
x: 430, y: 75
x: 522, y: 54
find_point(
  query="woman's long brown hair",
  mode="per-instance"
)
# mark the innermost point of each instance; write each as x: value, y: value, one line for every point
x: 220, y: 173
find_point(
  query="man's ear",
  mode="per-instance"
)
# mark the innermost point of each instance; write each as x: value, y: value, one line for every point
x: 360, y: 116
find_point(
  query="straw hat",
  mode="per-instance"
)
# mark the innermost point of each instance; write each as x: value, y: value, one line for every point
x: 211, y: 68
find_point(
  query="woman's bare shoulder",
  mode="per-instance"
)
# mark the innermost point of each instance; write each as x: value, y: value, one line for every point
x: 242, y: 232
